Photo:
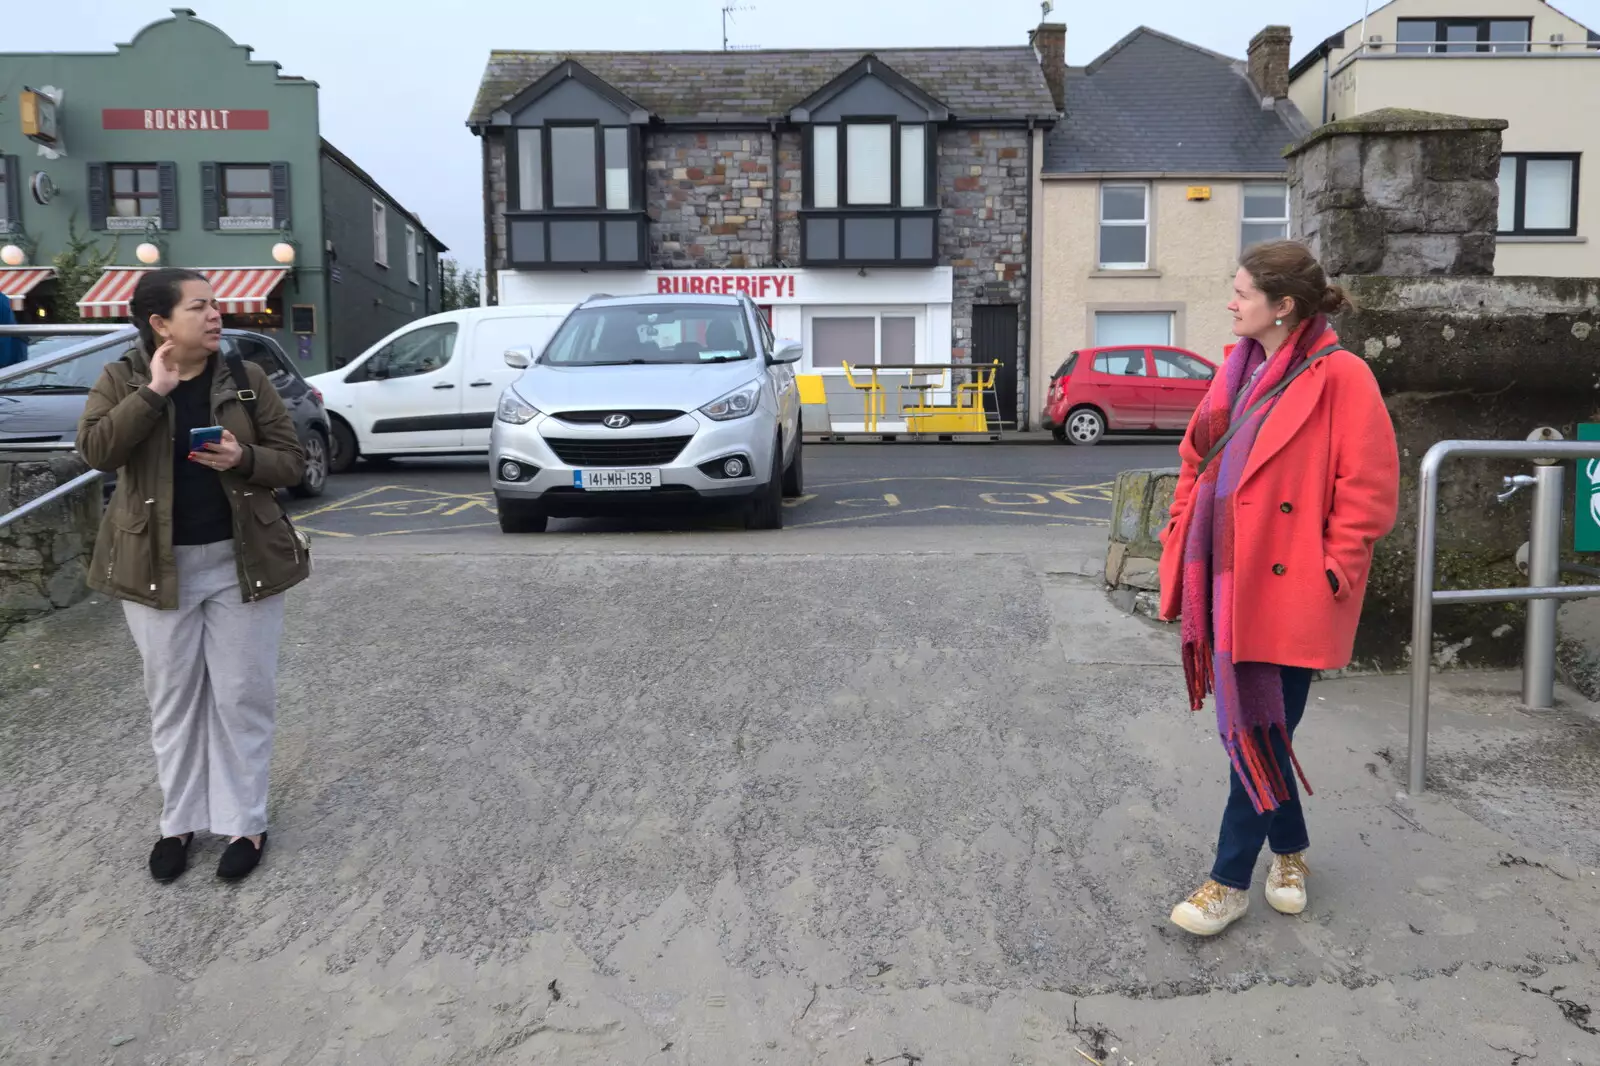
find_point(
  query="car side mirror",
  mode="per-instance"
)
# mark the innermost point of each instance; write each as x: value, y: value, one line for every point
x: 788, y: 352
x: 519, y: 358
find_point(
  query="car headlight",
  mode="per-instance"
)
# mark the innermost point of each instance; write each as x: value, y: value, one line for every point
x: 515, y: 409
x: 736, y: 404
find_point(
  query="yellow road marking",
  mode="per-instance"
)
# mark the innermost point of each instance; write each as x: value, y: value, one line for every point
x: 435, y: 529
x: 798, y: 500
x: 337, y: 505
x: 1033, y: 499
x: 881, y: 514
x: 302, y: 527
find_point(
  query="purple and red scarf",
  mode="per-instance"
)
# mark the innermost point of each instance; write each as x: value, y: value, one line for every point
x: 1249, y: 696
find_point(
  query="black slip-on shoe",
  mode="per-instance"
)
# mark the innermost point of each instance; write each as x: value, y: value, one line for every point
x: 240, y: 857
x: 170, y: 857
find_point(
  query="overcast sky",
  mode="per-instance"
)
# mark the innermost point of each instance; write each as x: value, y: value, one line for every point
x: 419, y: 62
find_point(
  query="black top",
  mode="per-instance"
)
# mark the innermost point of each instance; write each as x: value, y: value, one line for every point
x: 200, y: 510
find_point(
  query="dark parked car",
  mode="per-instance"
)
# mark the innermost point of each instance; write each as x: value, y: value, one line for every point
x: 40, y: 411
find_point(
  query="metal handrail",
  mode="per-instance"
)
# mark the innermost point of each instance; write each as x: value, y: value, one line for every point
x: 1544, y: 571
x: 33, y: 366
x: 50, y: 497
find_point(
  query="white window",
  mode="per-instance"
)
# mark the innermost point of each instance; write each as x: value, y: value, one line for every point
x: 617, y: 188
x: 1124, y: 227
x: 1266, y: 212
x: 825, y: 166
x: 862, y: 336
x: 869, y: 162
x: 1112, y: 328
x: 530, y: 169
x: 1538, y: 195
x: 412, y: 253
x: 871, y: 151
x: 913, y: 166
x: 380, y: 233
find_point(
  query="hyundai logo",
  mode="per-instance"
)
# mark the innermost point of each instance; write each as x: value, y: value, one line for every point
x: 618, y: 421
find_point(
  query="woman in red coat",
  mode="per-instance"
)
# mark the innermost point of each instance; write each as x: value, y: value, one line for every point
x: 1290, y: 476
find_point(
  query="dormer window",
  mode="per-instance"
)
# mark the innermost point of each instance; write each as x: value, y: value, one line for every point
x: 579, y: 167
x: 869, y: 163
x: 574, y: 174
x: 868, y: 190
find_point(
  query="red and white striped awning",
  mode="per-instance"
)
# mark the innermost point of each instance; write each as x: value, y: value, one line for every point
x: 17, y: 282
x: 240, y: 290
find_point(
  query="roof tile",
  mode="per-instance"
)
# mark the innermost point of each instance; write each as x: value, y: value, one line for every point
x: 686, y: 86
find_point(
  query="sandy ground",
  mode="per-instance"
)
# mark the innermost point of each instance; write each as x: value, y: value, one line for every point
x: 823, y: 796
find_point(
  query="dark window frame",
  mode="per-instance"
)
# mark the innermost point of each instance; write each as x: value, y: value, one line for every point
x: 1441, y: 42
x: 1519, y: 210
x: 112, y: 195
x: 842, y: 151
x: 223, y: 195
x: 547, y: 168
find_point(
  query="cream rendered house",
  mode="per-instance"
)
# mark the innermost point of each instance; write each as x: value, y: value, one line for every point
x: 1519, y: 60
x: 1167, y: 163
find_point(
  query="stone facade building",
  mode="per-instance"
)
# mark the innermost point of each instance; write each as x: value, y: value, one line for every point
x: 878, y: 206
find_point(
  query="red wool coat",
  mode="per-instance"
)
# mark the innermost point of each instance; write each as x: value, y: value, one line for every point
x: 1321, y: 487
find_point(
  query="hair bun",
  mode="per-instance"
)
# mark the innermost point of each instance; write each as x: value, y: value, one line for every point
x: 1334, y: 299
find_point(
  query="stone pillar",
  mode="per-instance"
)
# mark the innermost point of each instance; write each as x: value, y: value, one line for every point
x: 1399, y: 193
x: 44, y: 558
x: 1140, y: 505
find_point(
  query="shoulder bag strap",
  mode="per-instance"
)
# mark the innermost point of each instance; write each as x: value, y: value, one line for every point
x: 1216, y: 449
x: 241, y: 381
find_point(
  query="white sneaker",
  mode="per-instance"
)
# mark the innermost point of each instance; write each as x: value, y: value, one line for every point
x: 1286, y: 883
x: 1211, y: 909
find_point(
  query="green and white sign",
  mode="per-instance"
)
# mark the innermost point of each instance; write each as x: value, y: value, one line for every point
x: 1586, y: 535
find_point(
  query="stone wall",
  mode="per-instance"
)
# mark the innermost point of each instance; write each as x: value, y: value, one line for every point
x: 710, y: 199
x: 1399, y: 193
x: 44, y: 558
x: 983, y: 186
x: 1140, y: 505
x: 1469, y: 358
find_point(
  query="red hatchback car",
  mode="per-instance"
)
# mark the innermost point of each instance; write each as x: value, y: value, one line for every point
x: 1110, y: 390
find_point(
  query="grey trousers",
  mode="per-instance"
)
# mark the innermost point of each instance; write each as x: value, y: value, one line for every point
x: 210, y: 673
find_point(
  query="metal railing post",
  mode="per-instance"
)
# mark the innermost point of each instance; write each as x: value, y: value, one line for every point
x: 1544, y: 570
x: 1422, y: 614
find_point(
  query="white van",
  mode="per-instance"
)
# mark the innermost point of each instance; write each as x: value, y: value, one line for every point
x: 432, y: 386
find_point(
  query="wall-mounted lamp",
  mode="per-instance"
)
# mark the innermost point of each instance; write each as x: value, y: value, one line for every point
x: 148, y: 254
x: 12, y: 256
x: 283, y: 252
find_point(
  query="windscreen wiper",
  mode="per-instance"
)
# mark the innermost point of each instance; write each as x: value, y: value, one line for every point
x: 22, y: 389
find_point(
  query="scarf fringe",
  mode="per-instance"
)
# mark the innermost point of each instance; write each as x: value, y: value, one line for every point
x: 1198, y: 672
x: 1259, y: 770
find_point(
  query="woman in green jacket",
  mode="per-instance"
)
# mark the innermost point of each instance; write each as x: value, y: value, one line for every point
x: 196, y: 546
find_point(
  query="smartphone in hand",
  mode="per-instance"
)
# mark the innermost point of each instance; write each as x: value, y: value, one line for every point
x: 199, y: 438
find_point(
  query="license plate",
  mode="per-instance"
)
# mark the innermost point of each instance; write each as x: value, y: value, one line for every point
x: 615, y: 480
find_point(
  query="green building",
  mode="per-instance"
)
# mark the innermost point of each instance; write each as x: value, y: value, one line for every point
x: 179, y: 149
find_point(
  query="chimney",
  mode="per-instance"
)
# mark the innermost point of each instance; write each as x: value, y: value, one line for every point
x: 1050, y: 44
x: 1269, y: 62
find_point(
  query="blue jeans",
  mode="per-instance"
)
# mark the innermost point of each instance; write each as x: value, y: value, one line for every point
x: 1243, y: 830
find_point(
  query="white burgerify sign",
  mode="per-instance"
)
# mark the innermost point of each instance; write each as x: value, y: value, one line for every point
x: 931, y: 285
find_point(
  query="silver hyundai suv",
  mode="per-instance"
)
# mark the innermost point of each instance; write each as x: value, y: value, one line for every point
x: 639, y: 401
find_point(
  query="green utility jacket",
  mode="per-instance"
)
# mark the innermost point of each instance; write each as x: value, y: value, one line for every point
x: 127, y: 428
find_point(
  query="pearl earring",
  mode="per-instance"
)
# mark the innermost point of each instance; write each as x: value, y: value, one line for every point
x: 1277, y: 322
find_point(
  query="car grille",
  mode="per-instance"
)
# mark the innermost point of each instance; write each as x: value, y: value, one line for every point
x: 637, y: 451
x: 595, y: 418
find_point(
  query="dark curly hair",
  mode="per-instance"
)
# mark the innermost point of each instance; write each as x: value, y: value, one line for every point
x: 157, y: 293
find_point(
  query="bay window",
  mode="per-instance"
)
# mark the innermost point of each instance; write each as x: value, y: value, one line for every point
x: 864, y: 161
x: 576, y: 195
